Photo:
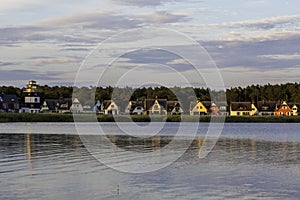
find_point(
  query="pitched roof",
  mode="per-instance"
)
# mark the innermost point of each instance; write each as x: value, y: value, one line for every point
x: 193, y: 104
x: 294, y: 103
x: 150, y: 103
x: 221, y: 103
x: 106, y: 103
x: 209, y: 104
x: 63, y: 104
x: 241, y: 106
x: 135, y: 104
x: 267, y: 106
x: 172, y: 104
x: 9, y: 98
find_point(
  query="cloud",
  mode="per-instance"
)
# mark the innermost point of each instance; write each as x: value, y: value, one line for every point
x: 97, y: 20
x: 142, y: 3
x: 282, y: 56
x: 259, y: 55
x: 2, y: 64
x: 76, y: 49
x: 50, y: 61
x: 10, y: 75
x: 90, y: 27
x: 266, y: 23
x: 18, y: 33
x: 72, y: 28
x: 17, y: 4
x: 162, y: 17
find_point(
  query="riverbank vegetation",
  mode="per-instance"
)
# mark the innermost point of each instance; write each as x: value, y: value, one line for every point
x: 54, y: 117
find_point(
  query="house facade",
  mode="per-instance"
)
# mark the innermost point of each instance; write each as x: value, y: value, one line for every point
x: 155, y: 107
x: 32, y: 100
x: 283, y: 110
x: 174, y: 108
x: 110, y: 107
x: 242, y: 109
x: 9, y: 103
x: 134, y: 108
x: 223, y: 108
x: 198, y: 108
x: 295, y: 107
x: 57, y: 105
x: 266, y: 107
x: 212, y: 108
x: 76, y: 106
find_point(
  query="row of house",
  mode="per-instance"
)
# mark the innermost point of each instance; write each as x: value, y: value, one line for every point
x: 164, y: 107
x: 32, y: 104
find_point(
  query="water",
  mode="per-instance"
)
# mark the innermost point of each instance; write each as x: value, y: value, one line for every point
x: 50, y: 161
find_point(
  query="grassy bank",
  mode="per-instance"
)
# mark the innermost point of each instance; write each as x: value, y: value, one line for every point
x: 43, y: 117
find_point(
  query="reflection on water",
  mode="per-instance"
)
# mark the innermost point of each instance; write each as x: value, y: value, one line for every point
x: 59, y: 167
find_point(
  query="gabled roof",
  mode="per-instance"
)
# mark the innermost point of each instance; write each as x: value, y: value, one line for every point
x: 9, y: 98
x: 267, y: 106
x: 150, y: 103
x: 51, y: 103
x: 106, y: 103
x: 294, y: 103
x: 75, y: 101
x: 241, y: 106
x: 221, y: 103
x: 135, y: 104
x: 63, y: 104
x: 194, y: 103
x: 209, y: 104
x: 172, y: 104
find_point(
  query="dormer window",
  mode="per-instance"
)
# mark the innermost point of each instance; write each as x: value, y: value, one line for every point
x: 265, y: 108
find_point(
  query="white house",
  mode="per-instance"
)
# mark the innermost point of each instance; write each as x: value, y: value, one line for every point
x: 76, y: 106
x: 111, y: 108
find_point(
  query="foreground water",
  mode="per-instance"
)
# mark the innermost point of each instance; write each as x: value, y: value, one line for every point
x: 50, y: 161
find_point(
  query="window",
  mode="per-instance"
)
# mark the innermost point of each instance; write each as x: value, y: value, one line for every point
x: 222, y: 108
x: 35, y: 100
x: 238, y: 113
x: 265, y: 108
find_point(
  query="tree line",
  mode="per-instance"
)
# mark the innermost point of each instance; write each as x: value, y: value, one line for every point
x: 289, y: 92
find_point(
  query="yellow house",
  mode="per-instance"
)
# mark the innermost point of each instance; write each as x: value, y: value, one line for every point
x: 242, y: 109
x: 197, y: 108
x: 155, y: 106
x: 294, y: 107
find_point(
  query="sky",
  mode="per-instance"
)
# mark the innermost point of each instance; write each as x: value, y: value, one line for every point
x: 142, y: 42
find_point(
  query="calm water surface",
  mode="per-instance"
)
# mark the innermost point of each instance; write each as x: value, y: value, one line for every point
x: 249, y: 161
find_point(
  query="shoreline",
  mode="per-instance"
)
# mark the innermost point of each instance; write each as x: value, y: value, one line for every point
x: 54, y: 117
